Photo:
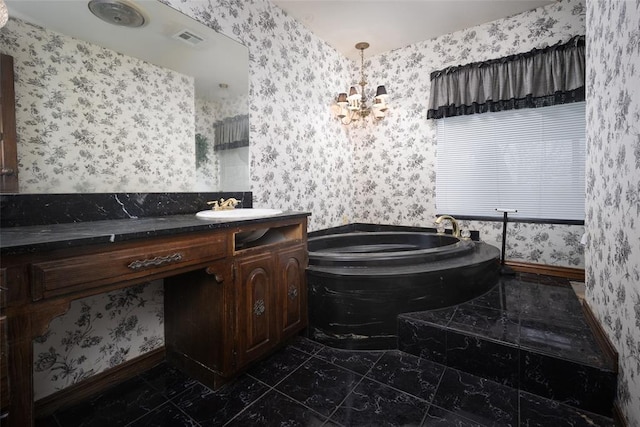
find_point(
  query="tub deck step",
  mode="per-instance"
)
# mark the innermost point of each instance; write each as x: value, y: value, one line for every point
x: 529, y: 333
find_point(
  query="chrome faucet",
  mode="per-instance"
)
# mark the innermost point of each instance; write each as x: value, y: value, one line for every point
x: 222, y: 204
x: 454, y: 224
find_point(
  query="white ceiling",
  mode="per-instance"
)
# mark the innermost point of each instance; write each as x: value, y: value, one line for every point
x: 385, y: 24
x: 154, y: 42
x: 391, y: 24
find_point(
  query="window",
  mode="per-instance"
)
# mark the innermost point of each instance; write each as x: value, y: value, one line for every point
x: 532, y: 160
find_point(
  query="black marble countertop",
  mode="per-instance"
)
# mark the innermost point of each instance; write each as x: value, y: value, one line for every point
x: 38, y: 238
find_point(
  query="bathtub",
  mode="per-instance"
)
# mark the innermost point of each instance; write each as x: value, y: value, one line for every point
x: 360, y: 281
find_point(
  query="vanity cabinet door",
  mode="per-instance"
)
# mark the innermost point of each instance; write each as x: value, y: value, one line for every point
x: 292, y: 291
x: 255, y: 301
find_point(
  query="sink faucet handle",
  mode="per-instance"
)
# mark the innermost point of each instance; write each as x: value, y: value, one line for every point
x: 223, y: 204
x: 215, y: 203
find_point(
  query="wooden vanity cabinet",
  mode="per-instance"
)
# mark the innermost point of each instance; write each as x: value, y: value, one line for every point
x: 229, y: 298
x: 271, y: 300
x: 239, y: 310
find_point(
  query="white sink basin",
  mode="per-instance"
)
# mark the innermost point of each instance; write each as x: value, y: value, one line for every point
x: 235, y: 214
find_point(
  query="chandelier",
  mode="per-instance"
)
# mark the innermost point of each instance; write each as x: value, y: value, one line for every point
x: 354, y: 106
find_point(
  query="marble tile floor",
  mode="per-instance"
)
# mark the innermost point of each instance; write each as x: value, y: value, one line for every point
x: 529, y: 332
x: 308, y: 384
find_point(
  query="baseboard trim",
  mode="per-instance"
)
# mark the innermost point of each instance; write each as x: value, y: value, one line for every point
x: 548, y: 270
x: 78, y: 392
x: 600, y: 335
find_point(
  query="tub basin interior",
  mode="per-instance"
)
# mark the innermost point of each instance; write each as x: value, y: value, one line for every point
x: 374, y: 248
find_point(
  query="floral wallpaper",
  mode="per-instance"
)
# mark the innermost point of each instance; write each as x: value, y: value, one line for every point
x: 395, y: 159
x: 98, y: 333
x: 301, y: 158
x: 549, y: 244
x: 233, y: 162
x: 613, y: 185
x: 207, y: 164
x: 92, y: 120
x: 215, y: 170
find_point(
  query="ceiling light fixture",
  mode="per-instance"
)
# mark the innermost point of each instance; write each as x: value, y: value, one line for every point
x: 353, y: 106
x: 117, y: 12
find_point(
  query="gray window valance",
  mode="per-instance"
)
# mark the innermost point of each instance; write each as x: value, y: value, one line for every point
x: 541, y: 77
x: 232, y: 132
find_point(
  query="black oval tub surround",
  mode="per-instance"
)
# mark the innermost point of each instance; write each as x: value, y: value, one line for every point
x: 360, y: 282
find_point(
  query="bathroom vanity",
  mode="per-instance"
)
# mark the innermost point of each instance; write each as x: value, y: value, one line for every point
x: 234, y: 290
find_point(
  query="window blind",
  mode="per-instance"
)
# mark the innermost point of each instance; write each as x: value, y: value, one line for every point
x: 532, y: 160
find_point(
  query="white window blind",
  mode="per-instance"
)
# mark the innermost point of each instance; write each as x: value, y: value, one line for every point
x: 532, y: 160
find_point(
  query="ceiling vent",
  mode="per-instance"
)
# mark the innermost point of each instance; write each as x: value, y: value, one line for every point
x: 189, y: 37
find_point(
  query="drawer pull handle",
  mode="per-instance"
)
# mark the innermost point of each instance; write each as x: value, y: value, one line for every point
x: 155, y: 262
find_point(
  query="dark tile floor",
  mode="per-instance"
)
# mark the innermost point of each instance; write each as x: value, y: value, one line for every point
x: 529, y: 332
x: 307, y: 384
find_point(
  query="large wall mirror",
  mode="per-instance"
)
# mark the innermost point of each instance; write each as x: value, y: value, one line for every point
x: 101, y: 107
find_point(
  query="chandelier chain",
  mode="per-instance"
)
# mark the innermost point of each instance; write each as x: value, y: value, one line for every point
x: 362, y: 81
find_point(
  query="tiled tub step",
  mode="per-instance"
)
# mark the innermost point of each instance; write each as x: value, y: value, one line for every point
x: 527, y: 335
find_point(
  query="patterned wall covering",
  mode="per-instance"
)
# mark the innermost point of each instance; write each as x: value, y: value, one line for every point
x: 613, y: 185
x: 395, y: 159
x: 208, y: 172
x: 207, y: 166
x: 300, y: 158
x: 234, y: 162
x: 92, y: 120
x: 98, y: 333
x: 303, y: 159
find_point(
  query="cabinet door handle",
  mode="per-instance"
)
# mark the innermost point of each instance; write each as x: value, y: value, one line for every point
x: 293, y: 292
x: 258, y: 307
x: 155, y: 262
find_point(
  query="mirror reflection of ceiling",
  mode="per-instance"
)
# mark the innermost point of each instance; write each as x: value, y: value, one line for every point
x: 155, y: 42
x: 391, y: 24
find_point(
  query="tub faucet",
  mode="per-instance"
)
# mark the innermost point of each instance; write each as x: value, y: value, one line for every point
x: 454, y: 224
x: 222, y: 204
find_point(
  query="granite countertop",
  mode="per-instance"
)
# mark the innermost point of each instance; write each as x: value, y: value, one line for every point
x: 37, y: 238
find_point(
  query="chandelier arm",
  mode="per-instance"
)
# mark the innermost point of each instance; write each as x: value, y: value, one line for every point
x: 349, y: 118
